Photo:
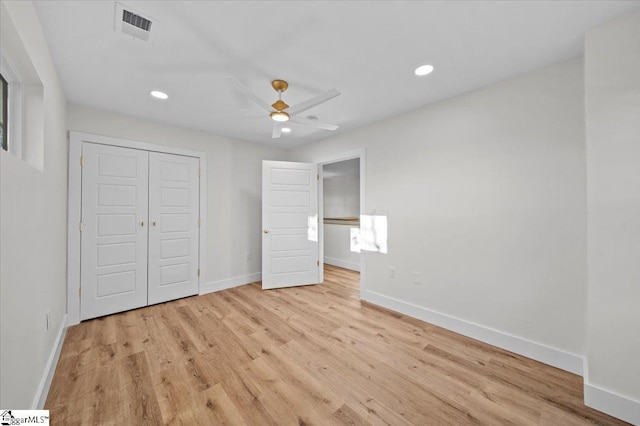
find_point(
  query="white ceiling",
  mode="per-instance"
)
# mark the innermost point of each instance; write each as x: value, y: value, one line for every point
x: 367, y: 50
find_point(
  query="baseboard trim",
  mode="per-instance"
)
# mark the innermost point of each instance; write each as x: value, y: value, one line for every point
x: 342, y: 263
x: 611, y: 403
x: 47, y: 376
x: 546, y: 354
x: 232, y: 282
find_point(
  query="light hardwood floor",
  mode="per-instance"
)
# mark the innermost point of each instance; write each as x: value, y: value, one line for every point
x: 299, y: 356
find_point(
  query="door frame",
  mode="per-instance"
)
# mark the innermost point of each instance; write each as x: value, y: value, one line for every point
x: 336, y: 158
x: 76, y: 139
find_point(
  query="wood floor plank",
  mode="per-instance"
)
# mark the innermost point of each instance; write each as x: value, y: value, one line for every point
x: 216, y: 408
x: 312, y: 388
x: 299, y: 356
x: 139, y: 398
x: 242, y: 392
x: 348, y: 416
x: 353, y: 392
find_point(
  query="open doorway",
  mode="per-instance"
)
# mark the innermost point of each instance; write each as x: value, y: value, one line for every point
x: 341, y: 204
x: 341, y: 212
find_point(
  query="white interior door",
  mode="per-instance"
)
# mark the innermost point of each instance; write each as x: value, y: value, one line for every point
x: 290, y: 254
x: 114, y: 230
x: 174, y: 193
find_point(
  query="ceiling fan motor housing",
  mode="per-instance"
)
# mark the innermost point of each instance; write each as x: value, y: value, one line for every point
x: 279, y: 85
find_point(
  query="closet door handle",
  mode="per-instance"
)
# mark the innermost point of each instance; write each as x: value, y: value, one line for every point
x: 142, y: 223
x: 153, y: 223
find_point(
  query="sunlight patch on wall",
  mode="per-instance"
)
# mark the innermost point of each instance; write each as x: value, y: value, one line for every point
x: 371, y: 236
x: 312, y: 228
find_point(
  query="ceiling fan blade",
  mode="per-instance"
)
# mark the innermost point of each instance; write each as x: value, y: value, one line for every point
x: 277, y: 130
x: 310, y: 103
x: 249, y: 94
x: 242, y: 117
x: 313, y: 123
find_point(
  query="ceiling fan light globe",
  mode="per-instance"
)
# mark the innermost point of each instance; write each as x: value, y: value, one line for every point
x: 279, y: 116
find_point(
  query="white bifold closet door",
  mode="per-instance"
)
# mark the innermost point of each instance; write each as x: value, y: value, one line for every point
x: 115, y: 205
x: 174, y: 193
x: 140, y: 228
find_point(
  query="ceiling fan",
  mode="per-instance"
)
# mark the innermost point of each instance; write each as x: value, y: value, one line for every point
x: 280, y: 112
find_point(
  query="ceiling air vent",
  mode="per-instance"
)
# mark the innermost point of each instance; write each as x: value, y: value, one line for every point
x: 133, y: 23
x: 136, y: 20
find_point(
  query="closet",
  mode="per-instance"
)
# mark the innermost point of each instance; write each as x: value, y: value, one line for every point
x: 139, y: 229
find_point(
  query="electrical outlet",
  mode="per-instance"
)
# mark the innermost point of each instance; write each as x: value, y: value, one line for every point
x: 417, y: 278
x: 48, y: 318
x: 392, y: 271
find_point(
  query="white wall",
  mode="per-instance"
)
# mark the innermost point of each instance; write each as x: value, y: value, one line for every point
x: 234, y: 187
x: 485, y: 195
x: 33, y: 227
x: 341, y: 196
x: 612, y: 81
x: 337, y: 247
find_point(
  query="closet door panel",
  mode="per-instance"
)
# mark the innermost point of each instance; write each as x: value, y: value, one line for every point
x: 114, y: 230
x: 174, y: 194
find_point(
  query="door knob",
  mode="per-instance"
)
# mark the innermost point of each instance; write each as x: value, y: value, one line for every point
x: 153, y: 223
x: 266, y: 231
x: 142, y: 223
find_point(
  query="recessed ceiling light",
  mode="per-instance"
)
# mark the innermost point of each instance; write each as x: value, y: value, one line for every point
x: 159, y: 95
x: 286, y: 130
x: 424, y: 70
